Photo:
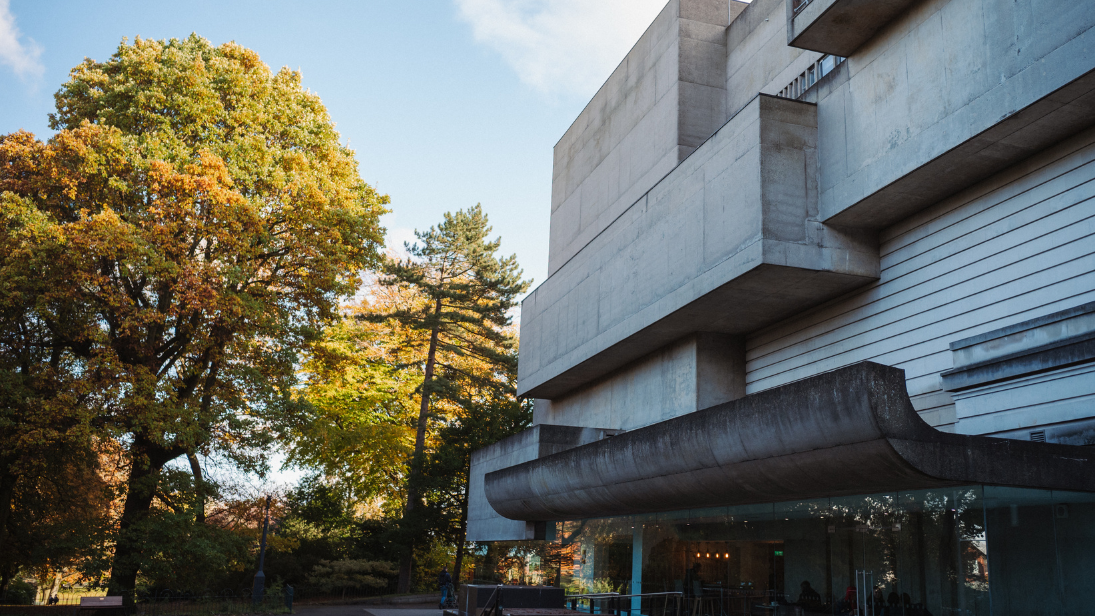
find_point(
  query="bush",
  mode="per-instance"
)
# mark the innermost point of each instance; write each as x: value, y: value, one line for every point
x: 346, y: 574
x: 20, y: 592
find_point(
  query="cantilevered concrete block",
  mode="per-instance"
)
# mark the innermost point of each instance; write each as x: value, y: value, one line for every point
x: 728, y: 242
x: 484, y: 523
x: 839, y: 27
x: 693, y: 373
x: 954, y: 91
x: 850, y: 431
x: 663, y: 101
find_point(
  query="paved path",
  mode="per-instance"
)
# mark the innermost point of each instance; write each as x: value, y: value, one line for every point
x: 407, y: 611
x: 366, y: 610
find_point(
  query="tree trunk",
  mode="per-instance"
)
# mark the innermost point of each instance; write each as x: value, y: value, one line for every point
x: 199, y: 487
x: 56, y: 586
x: 5, y: 580
x: 7, y: 492
x: 460, y: 543
x: 406, y: 562
x: 147, y: 460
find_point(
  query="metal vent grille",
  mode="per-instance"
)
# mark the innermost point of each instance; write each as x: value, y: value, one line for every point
x: 1038, y: 436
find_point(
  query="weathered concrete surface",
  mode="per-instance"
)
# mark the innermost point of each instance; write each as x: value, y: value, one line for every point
x: 484, y: 524
x: 839, y: 27
x: 758, y: 57
x: 728, y: 242
x: 1033, y: 373
x: 1056, y: 340
x: 693, y: 373
x: 665, y: 98
x: 947, y: 94
x: 851, y: 431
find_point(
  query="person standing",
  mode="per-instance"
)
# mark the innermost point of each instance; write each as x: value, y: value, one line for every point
x: 444, y: 583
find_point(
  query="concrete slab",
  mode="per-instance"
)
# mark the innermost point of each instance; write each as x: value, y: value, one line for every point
x: 398, y: 611
x: 839, y: 27
x: 367, y: 610
x: 731, y: 227
x: 849, y: 431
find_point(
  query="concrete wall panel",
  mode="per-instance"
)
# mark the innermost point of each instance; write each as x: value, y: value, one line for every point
x: 693, y: 373
x: 974, y: 83
x: 660, y: 103
x: 752, y: 187
x: 758, y: 58
x: 484, y: 524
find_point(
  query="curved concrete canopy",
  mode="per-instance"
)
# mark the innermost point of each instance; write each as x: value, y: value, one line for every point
x: 851, y: 431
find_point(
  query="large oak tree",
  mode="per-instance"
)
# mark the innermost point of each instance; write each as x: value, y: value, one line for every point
x: 196, y: 221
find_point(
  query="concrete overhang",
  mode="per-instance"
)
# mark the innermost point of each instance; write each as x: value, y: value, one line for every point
x: 839, y: 27
x: 935, y: 173
x: 850, y: 431
x: 728, y: 242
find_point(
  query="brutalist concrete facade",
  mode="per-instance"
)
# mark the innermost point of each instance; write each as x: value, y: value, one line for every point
x: 765, y: 193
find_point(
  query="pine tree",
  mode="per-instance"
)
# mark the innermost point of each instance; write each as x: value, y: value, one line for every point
x: 469, y: 293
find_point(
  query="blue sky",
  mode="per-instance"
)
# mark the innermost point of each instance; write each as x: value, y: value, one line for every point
x: 447, y: 102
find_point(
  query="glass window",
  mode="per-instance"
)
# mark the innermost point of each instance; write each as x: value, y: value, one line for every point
x: 1042, y: 545
x: 878, y: 554
x: 597, y: 555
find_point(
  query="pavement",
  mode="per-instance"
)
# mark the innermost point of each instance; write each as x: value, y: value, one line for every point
x: 369, y: 610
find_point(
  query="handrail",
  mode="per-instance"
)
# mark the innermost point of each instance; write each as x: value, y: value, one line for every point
x: 799, y: 5
x: 601, y: 595
x: 616, y: 602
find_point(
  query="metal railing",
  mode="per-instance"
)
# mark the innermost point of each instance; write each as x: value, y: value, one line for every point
x: 625, y: 605
x: 813, y: 73
x: 799, y: 5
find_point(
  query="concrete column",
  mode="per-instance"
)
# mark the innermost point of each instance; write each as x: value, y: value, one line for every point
x: 636, y: 565
x: 720, y: 369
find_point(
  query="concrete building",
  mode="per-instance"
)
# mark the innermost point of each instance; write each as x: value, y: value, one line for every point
x: 821, y: 304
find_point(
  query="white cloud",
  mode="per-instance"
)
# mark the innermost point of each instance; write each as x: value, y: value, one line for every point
x: 396, y: 240
x: 20, y: 56
x: 564, y: 47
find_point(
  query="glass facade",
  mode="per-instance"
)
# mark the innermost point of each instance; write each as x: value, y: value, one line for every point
x: 974, y: 550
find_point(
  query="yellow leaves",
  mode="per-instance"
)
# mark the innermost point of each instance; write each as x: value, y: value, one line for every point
x: 199, y: 213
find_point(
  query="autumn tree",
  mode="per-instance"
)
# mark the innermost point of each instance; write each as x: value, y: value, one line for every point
x: 467, y: 292
x: 357, y: 420
x: 45, y: 431
x: 59, y: 519
x: 198, y: 218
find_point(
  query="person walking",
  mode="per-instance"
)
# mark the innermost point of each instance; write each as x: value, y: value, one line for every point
x: 444, y: 583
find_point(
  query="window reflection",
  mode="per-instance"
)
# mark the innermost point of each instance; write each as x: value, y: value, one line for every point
x: 946, y: 551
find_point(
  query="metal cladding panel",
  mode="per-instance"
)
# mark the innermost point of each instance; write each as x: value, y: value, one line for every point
x: 850, y: 431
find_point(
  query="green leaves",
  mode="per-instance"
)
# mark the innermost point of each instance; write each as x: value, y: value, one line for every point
x: 330, y: 575
x: 194, y: 223
x: 468, y: 294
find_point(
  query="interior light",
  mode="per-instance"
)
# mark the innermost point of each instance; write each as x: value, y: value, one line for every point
x: 709, y: 554
x: 727, y: 555
x: 697, y: 554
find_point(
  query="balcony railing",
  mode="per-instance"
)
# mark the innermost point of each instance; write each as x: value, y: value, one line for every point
x: 824, y: 65
x: 656, y: 603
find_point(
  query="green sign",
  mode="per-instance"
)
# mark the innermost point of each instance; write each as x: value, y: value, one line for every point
x: 779, y: 552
